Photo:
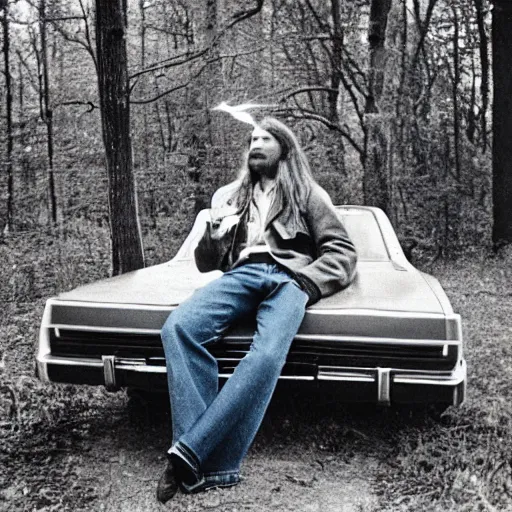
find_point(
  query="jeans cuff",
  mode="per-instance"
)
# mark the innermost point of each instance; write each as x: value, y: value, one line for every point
x: 212, y: 480
x: 187, y: 454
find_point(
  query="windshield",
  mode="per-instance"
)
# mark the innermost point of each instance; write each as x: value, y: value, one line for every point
x: 364, y: 231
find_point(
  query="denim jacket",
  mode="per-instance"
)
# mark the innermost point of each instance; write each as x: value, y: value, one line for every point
x: 316, y: 250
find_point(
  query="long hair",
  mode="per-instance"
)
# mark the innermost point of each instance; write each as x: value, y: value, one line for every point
x: 293, y: 179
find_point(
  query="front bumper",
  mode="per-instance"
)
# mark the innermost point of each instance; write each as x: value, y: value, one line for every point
x: 366, y: 368
x: 380, y: 385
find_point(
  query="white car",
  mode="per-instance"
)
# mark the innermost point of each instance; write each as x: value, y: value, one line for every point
x: 390, y: 337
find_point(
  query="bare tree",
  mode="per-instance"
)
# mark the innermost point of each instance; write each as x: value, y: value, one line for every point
x: 79, y: 34
x: 142, y: 9
x: 111, y: 26
x: 455, y: 91
x: 337, y: 58
x: 484, y: 64
x: 502, y: 121
x: 46, y: 109
x: 8, y: 107
x: 375, y: 158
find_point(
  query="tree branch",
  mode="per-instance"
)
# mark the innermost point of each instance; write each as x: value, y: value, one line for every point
x: 64, y: 18
x: 306, y: 114
x: 162, y: 94
x: 177, y: 60
x: 186, y: 84
x: 353, y: 97
x: 321, y: 23
x: 243, y: 15
x: 423, y: 27
x: 91, y: 105
x: 167, y: 32
x: 87, y: 43
x: 188, y: 57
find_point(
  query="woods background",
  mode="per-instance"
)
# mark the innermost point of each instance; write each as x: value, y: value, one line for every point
x: 109, y: 147
x: 391, y: 99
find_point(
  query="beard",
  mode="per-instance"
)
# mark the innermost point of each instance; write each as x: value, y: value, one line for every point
x: 261, y: 166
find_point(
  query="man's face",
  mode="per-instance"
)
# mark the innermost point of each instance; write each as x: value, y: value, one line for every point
x: 264, y: 153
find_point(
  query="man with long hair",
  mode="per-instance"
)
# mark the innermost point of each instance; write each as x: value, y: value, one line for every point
x: 281, y: 245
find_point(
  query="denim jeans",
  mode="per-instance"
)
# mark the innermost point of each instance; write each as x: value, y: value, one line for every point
x: 218, y: 427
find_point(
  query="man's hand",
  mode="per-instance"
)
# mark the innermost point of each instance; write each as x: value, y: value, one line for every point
x: 220, y: 227
x: 216, y: 238
x: 222, y: 220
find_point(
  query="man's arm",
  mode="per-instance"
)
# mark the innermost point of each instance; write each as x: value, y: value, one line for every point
x: 217, y: 239
x: 214, y: 245
x: 335, y: 265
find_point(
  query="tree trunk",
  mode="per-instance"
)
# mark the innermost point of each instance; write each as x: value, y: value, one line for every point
x: 145, y: 137
x: 455, y: 94
x: 111, y: 26
x: 337, y: 48
x: 375, y: 157
x: 206, y: 96
x: 47, y: 112
x: 376, y: 187
x: 8, y: 109
x: 484, y: 63
x: 404, y: 54
x: 502, y: 121
x: 379, y: 12
x: 471, y: 112
x: 336, y: 94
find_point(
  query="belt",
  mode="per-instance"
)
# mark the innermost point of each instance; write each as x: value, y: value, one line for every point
x: 260, y: 257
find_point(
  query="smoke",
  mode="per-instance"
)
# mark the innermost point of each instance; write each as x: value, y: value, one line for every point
x: 240, y: 111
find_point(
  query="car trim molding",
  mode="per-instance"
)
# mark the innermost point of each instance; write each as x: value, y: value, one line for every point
x: 109, y: 372
x: 315, y: 310
x: 384, y: 378
x: 384, y: 386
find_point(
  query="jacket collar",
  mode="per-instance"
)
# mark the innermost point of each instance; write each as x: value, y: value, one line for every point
x: 276, y: 207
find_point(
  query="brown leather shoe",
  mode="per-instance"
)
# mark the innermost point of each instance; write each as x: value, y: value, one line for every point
x: 167, y: 485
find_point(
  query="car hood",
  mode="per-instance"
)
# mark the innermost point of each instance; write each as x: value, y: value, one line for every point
x: 377, y: 286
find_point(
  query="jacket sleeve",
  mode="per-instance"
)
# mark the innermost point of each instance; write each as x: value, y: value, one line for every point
x: 211, y: 251
x: 335, y: 263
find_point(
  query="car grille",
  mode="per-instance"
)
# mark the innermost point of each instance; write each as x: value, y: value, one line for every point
x: 304, y: 358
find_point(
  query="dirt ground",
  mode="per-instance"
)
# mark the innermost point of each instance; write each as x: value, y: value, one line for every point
x: 311, y: 454
x: 289, y: 467
x: 66, y: 448
x: 76, y: 449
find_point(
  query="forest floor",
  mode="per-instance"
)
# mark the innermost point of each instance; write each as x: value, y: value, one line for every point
x: 65, y: 448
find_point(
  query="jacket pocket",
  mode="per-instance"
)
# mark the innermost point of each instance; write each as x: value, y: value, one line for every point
x: 289, y: 231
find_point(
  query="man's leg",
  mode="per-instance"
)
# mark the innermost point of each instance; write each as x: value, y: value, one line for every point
x: 221, y: 437
x: 191, y: 370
